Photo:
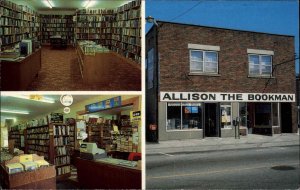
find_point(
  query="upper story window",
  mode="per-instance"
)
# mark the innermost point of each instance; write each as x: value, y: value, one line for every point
x: 260, y: 62
x: 203, y: 59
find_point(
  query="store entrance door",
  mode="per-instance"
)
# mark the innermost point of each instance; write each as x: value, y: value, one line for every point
x: 210, y: 116
x: 286, y: 118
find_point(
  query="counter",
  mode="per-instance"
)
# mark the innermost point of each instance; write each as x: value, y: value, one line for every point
x: 18, y: 74
x: 102, y: 175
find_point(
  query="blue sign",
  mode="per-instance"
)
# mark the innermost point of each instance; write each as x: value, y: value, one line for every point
x: 105, y: 104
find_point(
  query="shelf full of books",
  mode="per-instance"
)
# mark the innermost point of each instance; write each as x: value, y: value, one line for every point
x: 126, y: 31
x: 17, y: 22
x: 50, y: 138
x: 57, y: 25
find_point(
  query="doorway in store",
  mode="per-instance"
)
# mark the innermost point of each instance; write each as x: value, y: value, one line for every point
x: 211, y: 120
x: 286, y: 118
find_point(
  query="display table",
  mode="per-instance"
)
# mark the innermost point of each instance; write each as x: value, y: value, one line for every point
x: 41, y: 178
x: 18, y: 74
x: 100, y: 68
x: 58, y: 42
x: 101, y: 175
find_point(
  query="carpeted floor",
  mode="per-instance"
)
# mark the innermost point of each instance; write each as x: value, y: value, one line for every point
x: 60, y: 72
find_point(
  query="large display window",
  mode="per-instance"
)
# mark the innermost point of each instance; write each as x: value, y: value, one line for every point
x: 184, y: 116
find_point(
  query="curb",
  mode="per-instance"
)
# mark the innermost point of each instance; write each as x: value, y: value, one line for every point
x: 262, y: 146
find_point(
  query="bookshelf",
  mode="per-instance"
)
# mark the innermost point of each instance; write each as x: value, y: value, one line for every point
x: 118, y: 30
x: 51, y: 141
x: 15, y: 134
x: 17, y: 22
x: 126, y: 31
x: 53, y: 25
x: 99, y: 133
x: 95, y: 25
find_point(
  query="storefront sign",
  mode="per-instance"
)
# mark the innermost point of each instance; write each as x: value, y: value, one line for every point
x: 225, y: 97
x: 105, y: 104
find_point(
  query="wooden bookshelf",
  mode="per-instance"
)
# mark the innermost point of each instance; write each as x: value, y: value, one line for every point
x: 17, y: 22
x: 57, y: 25
x: 15, y: 134
x: 126, y: 31
x: 95, y: 25
x: 99, y: 133
x: 51, y: 141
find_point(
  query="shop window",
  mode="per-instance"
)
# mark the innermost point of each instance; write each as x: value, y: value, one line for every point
x: 260, y: 65
x: 203, y: 61
x: 184, y: 116
x: 174, y: 116
x: 226, y: 116
x: 275, y: 114
x: 191, y: 116
x: 263, y: 114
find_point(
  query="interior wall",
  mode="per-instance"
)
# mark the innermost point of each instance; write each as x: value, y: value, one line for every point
x: 57, y: 12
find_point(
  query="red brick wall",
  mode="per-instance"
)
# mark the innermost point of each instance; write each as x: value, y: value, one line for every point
x: 173, y: 40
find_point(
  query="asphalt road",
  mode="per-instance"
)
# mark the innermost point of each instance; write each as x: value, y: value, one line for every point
x: 260, y: 168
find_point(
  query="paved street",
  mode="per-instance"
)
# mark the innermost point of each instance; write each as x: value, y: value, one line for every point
x: 255, y: 168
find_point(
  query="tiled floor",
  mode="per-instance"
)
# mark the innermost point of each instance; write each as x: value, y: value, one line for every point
x: 60, y: 72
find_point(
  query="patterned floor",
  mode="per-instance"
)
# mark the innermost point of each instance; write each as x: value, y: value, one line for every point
x: 60, y: 72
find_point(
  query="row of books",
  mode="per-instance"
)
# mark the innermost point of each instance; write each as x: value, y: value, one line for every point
x: 12, y: 30
x: 66, y: 27
x: 10, y: 13
x: 128, y: 23
x: 93, y: 30
x: 132, y: 14
x: 63, y: 170
x: 61, y: 130
x: 94, y: 24
x: 61, y: 141
x: 11, y: 5
x: 38, y: 136
x: 38, y: 141
x: 38, y: 130
x: 130, y: 5
x: 95, y: 11
x: 126, y: 39
x: 131, y: 32
x: 57, y: 21
x: 39, y: 148
x: 62, y: 160
x: 95, y: 18
x: 61, y: 151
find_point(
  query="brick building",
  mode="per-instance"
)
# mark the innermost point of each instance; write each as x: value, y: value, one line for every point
x: 200, y: 80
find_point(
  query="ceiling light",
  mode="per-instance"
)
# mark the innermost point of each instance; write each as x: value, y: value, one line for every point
x: 37, y: 98
x: 87, y: 4
x: 48, y: 4
x: 15, y: 111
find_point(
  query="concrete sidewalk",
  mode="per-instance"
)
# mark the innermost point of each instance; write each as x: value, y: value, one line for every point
x: 217, y: 144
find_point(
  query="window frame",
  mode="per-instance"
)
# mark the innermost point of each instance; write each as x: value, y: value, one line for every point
x: 260, y: 64
x: 181, y: 116
x: 203, y: 62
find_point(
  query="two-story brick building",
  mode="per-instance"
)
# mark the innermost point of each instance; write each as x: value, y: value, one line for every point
x: 200, y: 80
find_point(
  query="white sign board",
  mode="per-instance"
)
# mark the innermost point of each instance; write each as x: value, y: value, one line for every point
x: 225, y: 97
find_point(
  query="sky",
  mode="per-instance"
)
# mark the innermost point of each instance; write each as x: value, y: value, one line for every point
x: 269, y: 16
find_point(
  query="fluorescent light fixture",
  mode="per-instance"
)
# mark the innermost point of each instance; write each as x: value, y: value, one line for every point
x: 48, y: 4
x: 28, y: 97
x: 14, y: 111
x: 89, y: 3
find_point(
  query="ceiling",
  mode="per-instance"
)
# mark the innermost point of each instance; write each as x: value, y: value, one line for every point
x: 41, y: 5
x: 37, y: 109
